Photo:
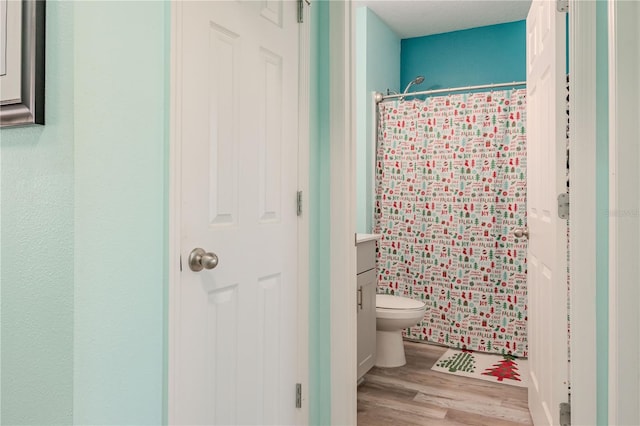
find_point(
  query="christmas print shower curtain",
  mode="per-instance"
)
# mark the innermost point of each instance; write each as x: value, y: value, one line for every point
x: 451, y: 189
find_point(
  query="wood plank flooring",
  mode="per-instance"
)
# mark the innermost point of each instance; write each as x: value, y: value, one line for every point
x: 416, y: 395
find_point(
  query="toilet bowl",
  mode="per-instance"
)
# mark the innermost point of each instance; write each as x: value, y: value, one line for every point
x: 394, y: 314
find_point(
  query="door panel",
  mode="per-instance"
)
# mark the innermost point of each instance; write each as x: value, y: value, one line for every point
x: 223, y: 122
x: 269, y: 142
x: 546, y: 174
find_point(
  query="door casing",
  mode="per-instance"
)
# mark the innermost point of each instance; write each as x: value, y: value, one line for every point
x: 624, y: 208
x: 342, y: 196
x: 582, y: 221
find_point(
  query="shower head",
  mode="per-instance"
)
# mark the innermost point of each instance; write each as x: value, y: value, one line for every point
x: 418, y: 80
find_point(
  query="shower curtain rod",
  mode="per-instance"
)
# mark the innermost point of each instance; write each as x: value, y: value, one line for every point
x: 380, y: 97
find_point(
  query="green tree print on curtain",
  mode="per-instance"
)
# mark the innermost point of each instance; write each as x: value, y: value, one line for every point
x: 451, y: 188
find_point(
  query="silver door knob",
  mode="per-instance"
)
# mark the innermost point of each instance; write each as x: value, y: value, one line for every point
x: 200, y: 259
x: 523, y: 232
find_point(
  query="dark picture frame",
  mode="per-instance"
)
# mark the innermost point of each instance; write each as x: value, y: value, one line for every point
x: 29, y: 109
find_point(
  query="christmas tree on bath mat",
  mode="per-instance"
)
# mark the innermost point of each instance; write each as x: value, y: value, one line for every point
x: 505, y: 369
x: 460, y: 361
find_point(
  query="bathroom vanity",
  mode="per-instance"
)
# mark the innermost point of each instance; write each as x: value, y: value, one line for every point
x: 366, y: 301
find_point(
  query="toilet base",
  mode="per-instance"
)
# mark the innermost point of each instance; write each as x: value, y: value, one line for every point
x: 389, y: 349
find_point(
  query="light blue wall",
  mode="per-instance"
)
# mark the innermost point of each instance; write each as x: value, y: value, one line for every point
x: 377, y: 69
x: 121, y: 102
x: 491, y: 54
x: 84, y: 224
x: 602, y: 216
x: 319, y: 179
x: 36, y: 280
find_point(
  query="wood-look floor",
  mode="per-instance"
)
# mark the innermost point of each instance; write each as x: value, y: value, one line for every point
x: 416, y: 395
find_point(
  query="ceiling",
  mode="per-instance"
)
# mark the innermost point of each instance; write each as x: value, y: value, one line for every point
x: 415, y: 18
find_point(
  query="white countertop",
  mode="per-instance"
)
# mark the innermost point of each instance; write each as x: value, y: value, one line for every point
x: 361, y: 238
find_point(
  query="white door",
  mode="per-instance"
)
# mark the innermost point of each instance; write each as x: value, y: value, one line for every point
x: 546, y: 178
x: 235, y: 343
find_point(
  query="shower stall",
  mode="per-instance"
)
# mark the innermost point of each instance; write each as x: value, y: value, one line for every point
x: 450, y: 194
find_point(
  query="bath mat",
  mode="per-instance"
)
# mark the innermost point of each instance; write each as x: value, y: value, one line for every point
x: 494, y: 368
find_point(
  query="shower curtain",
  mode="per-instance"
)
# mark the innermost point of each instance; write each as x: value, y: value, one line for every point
x: 451, y: 189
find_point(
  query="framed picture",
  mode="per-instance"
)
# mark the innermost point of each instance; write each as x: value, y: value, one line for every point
x: 22, y: 43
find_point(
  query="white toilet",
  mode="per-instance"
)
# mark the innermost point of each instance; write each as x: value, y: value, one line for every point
x: 394, y: 314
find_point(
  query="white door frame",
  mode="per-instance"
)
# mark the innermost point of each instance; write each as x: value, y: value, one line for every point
x: 582, y: 223
x: 342, y: 147
x: 302, y: 415
x: 624, y: 207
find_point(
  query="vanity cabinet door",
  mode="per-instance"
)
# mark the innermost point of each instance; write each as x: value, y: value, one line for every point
x: 366, y: 298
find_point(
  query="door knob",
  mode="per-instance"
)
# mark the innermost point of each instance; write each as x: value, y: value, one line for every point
x: 200, y: 259
x: 522, y: 232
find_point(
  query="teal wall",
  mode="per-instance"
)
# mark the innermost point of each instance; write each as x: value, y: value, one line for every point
x: 491, y: 54
x: 319, y: 180
x: 120, y: 209
x: 36, y: 280
x: 602, y: 216
x: 377, y: 69
x: 83, y: 224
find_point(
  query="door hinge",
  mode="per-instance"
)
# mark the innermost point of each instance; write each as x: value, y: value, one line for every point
x: 299, y: 203
x: 562, y: 5
x: 301, y: 9
x: 298, y: 395
x: 565, y: 414
x: 563, y: 206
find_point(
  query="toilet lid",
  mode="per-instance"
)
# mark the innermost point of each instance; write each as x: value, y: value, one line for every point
x: 388, y: 301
